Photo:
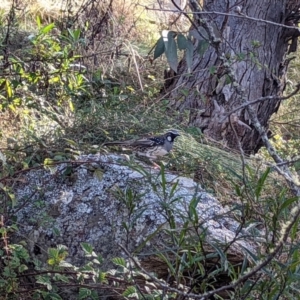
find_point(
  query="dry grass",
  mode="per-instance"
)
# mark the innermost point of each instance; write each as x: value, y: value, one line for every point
x: 118, y: 37
x: 143, y: 16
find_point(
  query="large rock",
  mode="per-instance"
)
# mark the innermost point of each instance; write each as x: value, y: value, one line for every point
x: 99, y: 200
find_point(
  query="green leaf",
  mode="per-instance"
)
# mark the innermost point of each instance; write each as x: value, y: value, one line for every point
x: 119, y: 261
x: 56, y: 231
x: 174, y: 187
x: 163, y: 179
x: 169, y: 263
x: 75, y: 34
x: 48, y: 161
x: 244, y: 265
x: 87, y: 248
x: 54, y: 296
x: 238, y: 190
x: 87, y: 268
x: 171, y: 50
x: 8, y: 88
x: 241, y: 56
x: 297, y: 165
x: 287, y: 203
x: 38, y: 21
x: 181, y: 42
x: 3, y: 283
x: 149, y: 238
x: 189, y: 54
x: 71, y: 142
x: 212, y: 70
x: 65, y: 264
x: 260, y: 183
x: 160, y: 48
x: 51, y: 261
x: 216, y: 31
x: 193, y: 212
x: 45, y: 280
x: 222, y: 255
x: 185, y: 92
x: 71, y: 105
x: 13, y: 199
x: 22, y: 268
x: 228, y: 79
x: 199, y: 34
x: 84, y: 293
x: 47, y: 28
x: 202, y: 47
x: 102, y: 277
x: 58, y: 158
x: 295, y: 230
x: 130, y: 292
x: 253, y: 255
x: 8, y: 272
x: 61, y: 277
x: 56, y: 255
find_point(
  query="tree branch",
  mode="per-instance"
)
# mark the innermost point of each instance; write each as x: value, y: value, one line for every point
x: 246, y: 104
x: 236, y: 15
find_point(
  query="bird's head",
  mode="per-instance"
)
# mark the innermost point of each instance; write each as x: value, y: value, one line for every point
x: 171, y: 135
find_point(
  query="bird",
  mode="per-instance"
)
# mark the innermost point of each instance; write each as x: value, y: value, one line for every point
x: 151, y: 147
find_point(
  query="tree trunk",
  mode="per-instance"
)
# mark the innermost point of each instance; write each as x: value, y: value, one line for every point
x: 246, y: 60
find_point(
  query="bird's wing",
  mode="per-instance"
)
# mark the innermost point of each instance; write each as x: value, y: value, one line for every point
x: 144, y: 142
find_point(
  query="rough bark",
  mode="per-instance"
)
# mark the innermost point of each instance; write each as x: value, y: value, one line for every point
x: 246, y: 60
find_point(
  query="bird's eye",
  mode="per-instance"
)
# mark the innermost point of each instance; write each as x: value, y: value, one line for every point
x: 169, y: 138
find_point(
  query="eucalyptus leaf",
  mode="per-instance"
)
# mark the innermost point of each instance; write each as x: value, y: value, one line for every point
x: 216, y: 31
x: 199, y: 34
x: 181, y: 42
x: 202, y: 47
x: 159, y: 49
x: 189, y: 54
x: 171, y: 51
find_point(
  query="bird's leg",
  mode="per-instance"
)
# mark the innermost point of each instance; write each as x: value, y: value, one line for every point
x: 155, y: 165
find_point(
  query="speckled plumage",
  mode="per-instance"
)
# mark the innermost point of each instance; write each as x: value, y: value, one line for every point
x: 151, y: 147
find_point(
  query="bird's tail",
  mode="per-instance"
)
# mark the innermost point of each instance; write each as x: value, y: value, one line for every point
x: 116, y: 143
